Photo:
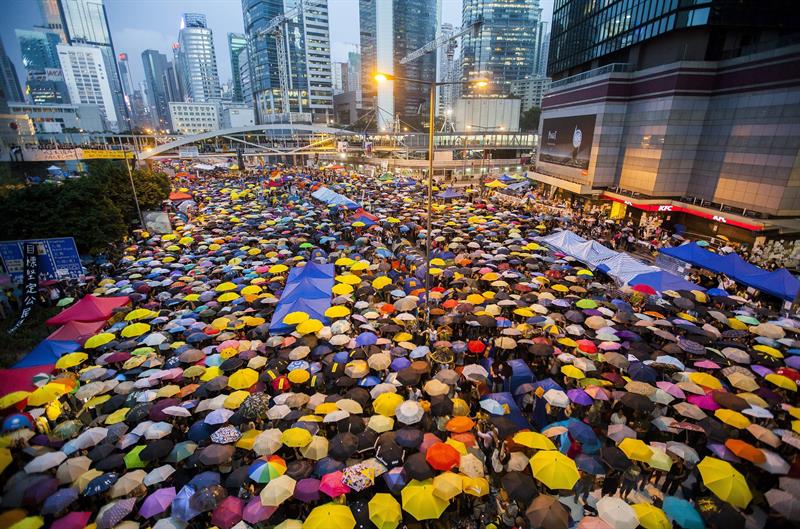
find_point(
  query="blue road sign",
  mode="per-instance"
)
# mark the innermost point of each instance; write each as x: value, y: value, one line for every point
x: 58, y: 258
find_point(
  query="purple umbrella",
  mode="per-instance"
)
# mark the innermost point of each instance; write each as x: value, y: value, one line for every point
x: 40, y: 491
x: 116, y: 513
x: 761, y: 370
x: 228, y: 513
x: 395, y: 479
x: 254, y: 512
x: 74, y: 520
x: 704, y: 402
x: 157, y: 502
x: 580, y: 397
x: 722, y: 452
x: 307, y: 490
x: 400, y: 363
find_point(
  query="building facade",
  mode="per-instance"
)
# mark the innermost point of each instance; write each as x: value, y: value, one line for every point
x: 55, y: 119
x: 530, y: 91
x: 85, y: 22
x: 340, y: 78
x: 390, y: 31
x: 244, y: 75
x: 236, y: 43
x: 237, y: 115
x: 505, y: 49
x: 688, y: 108
x: 194, y: 118
x: 486, y: 114
x: 155, y: 69
x: 88, y: 81
x: 354, y: 74
x: 306, y: 46
x: 197, y: 60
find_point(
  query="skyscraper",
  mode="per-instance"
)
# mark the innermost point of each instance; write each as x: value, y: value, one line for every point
x: 87, y: 80
x: 197, y: 59
x: 155, y: 66
x: 236, y: 43
x: 172, y: 84
x: 127, y: 83
x: 505, y: 48
x: 389, y: 32
x: 340, y: 78
x: 306, y: 46
x: 44, y: 80
x: 354, y: 74
x: 9, y: 83
x: 244, y: 75
x: 51, y: 16
x: 85, y: 22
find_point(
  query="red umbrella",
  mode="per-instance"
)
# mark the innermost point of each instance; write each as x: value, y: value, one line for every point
x: 587, y: 346
x: 476, y: 346
x: 74, y: 520
x: 228, y: 513
x: 281, y: 383
x: 442, y: 456
x: 333, y: 485
x: 644, y: 289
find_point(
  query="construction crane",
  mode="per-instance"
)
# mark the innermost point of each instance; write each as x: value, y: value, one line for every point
x: 275, y: 29
x: 449, y: 40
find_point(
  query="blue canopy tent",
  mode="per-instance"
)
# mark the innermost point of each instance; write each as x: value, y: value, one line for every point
x: 663, y: 280
x: 332, y: 198
x: 47, y: 353
x: 780, y: 283
x: 506, y: 179
x: 519, y: 186
x: 308, y: 289
x: 515, y: 414
x: 449, y: 193
x: 520, y: 374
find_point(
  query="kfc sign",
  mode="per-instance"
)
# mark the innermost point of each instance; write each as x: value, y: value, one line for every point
x: 719, y: 219
x: 665, y: 208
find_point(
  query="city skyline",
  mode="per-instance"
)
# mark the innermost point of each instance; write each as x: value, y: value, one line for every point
x: 134, y: 30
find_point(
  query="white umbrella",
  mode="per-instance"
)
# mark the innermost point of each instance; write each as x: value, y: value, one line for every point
x: 774, y: 464
x: 409, y: 412
x: 45, y: 462
x: 277, y: 491
x: 267, y: 442
x: 557, y: 398
x: 785, y: 503
x: 474, y: 372
x: 278, y: 412
x: 158, y: 475
x: 617, y: 513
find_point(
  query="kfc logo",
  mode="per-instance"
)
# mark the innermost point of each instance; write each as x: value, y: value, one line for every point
x: 664, y: 208
x: 719, y: 219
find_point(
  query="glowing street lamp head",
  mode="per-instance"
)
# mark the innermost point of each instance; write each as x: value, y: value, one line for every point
x: 380, y: 77
x: 480, y: 83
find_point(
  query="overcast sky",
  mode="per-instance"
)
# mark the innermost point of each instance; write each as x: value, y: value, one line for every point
x: 137, y: 25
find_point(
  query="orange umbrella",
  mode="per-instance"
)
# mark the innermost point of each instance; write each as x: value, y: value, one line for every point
x: 388, y: 308
x: 442, y: 456
x: 746, y: 451
x: 459, y: 424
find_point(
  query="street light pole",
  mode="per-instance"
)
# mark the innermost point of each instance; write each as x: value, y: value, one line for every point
x: 432, y: 103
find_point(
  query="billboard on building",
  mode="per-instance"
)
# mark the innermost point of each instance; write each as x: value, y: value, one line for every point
x: 567, y: 141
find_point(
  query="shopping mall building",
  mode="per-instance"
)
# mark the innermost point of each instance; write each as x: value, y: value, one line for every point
x: 678, y: 112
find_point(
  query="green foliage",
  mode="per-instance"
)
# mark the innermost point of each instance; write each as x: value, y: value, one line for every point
x: 529, y: 120
x: 96, y: 209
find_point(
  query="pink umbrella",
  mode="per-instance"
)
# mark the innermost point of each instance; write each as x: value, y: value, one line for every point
x: 706, y: 364
x: 254, y: 512
x: 597, y: 393
x: 332, y: 484
x: 157, y: 502
x: 592, y: 522
x: 74, y: 520
x: 671, y: 388
x: 428, y: 440
x: 704, y: 402
x: 228, y: 513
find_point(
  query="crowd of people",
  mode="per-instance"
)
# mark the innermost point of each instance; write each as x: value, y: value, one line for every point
x: 521, y: 390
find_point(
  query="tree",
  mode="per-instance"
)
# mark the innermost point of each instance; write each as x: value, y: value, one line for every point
x: 529, y: 120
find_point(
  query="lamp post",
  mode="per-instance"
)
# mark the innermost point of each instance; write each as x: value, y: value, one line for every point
x: 432, y: 85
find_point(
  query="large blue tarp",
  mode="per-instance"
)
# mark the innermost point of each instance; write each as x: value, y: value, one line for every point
x: 780, y: 283
x: 332, y: 198
x: 308, y: 289
x: 515, y: 414
x: 520, y: 374
x: 47, y: 353
x: 450, y: 193
x: 663, y: 280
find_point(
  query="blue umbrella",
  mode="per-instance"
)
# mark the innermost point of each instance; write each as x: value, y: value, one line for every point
x: 100, y: 484
x: 366, y: 338
x: 683, y: 513
x: 200, y: 431
x: 369, y: 381
x: 181, y: 509
x: 60, y: 500
x: 205, y: 479
x: 590, y: 465
x: 641, y: 372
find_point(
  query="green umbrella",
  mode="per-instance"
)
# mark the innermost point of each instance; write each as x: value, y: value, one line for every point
x: 306, y: 245
x: 181, y: 451
x: 63, y: 302
x: 586, y: 304
x: 132, y: 459
x: 747, y: 319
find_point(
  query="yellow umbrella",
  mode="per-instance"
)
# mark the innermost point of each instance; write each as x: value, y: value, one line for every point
x: 348, y: 279
x: 140, y: 314
x: 651, y: 517
x: 385, y: 511
x: 359, y: 266
x: 344, y: 261
x: 381, y: 282
x: 296, y: 437
x: 725, y: 481
x: 299, y: 376
x: 225, y: 287
x: 69, y: 360
x: 337, y: 311
x: 5, y: 458
x: 295, y: 318
x: 134, y: 330
x: 534, y: 440
x: 243, y: 379
x: 705, y: 380
x: 330, y: 516
x: 12, y: 398
x: 733, y: 418
x: 278, y: 269
x: 235, y: 399
x: 117, y: 416
x: 572, y: 372
x: 47, y: 394
x: 210, y: 373
x: 386, y: 404
x: 771, y: 351
x: 31, y: 522
x: 478, y: 486
x: 475, y: 299
x: 448, y: 485
x: 98, y: 340
x: 309, y: 327
x: 781, y: 381
x: 251, y: 289
x: 554, y: 469
x: 635, y: 449
x: 228, y: 296
x: 420, y: 501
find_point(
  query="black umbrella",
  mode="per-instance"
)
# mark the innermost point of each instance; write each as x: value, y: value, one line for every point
x: 614, y: 458
x: 111, y: 462
x: 719, y: 514
x: 299, y: 469
x: 441, y: 405
x: 367, y: 440
x: 389, y: 453
x: 637, y: 402
x: 343, y: 446
x: 353, y: 424
x: 519, y: 486
x: 207, y: 498
x: 236, y: 477
x: 156, y: 450
x: 505, y: 426
x: 409, y: 437
x: 101, y: 451
x: 408, y: 377
x: 416, y: 467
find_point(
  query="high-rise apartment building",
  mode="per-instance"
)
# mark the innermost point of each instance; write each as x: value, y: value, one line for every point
x: 505, y: 48
x: 9, y: 83
x: 340, y: 78
x: 127, y: 83
x: 306, y: 45
x: 687, y: 109
x: 51, y: 18
x: 44, y: 80
x: 354, y: 74
x: 87, y: 80
x: 85, y: 22
x: 155, y: 67
x: 389, y: 32
x: 197, y: 59
x: 236, y: 43
x: 244, y: 75
x: 172, y: 84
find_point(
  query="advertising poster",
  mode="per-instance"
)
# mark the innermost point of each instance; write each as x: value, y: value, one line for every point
x: 568, y: 141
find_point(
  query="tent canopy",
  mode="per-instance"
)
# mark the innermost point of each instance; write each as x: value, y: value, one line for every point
x: 47, y: 353
x: 663, y: 280
x: 308, y: 289
x: 77, y: 331
x: 450, y: 193
x: 89, y: 308
x: 332, y: 198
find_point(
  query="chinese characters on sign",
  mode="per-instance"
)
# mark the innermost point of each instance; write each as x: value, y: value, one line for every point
x: 30, y: 285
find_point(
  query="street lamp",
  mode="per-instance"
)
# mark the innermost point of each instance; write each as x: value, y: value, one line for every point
x: 432, y: 86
